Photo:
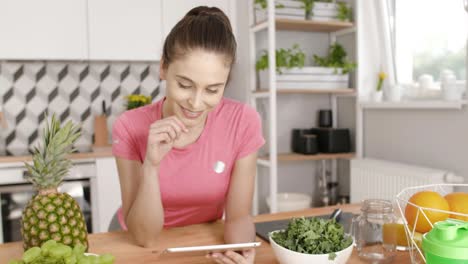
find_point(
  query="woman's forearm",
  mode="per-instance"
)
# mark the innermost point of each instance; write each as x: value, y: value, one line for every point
x: 239, y: 230
x: 145, y: 218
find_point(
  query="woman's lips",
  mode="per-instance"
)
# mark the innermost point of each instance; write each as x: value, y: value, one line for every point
x: 191, y: 114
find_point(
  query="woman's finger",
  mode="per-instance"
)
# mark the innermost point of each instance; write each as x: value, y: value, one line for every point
x: 215, y: 258
x: 163, y: 137
x: 175, y: 126
x: 179, y: 122
x: 232, y: 257
x: 165, y: 129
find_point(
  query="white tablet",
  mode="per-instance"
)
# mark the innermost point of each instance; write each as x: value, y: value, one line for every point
x: 214, y: 248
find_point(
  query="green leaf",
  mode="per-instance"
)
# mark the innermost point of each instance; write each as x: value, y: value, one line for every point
x: 336, y: 58
x: 285, y: 58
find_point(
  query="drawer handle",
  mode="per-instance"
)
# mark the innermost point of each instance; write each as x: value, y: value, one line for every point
x: 26, y: 174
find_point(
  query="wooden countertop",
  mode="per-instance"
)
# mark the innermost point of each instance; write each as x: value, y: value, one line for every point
x: 75, y: 156
x: 121, y: 246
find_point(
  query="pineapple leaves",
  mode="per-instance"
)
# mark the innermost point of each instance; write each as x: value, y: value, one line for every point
x: 50, y: 165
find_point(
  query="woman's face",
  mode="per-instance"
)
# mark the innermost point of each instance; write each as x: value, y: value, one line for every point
x: 195, y: 85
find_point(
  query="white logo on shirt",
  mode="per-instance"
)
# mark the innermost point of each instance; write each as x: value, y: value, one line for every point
x: 116, y: 141
x: 219, y: 166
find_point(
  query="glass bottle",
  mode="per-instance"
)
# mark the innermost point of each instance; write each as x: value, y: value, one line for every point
x: 368, y: 230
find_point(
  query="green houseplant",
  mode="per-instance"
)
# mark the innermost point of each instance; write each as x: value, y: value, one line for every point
x: 285, y: 58
x: 308, y: 7
x: 335, y: 58
x: 344, y: 12
x: 263, y: 4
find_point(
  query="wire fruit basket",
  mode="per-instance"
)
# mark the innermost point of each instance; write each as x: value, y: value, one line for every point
x: 414, y: 238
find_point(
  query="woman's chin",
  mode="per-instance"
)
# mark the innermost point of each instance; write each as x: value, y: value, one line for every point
x: 191, y: 122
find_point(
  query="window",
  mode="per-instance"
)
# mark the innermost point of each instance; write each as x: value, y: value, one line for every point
x: 430, y: 36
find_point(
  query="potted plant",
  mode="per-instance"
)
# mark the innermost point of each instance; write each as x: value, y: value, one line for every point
x: 326, y: 10
x: 293, y: 74
x: 378, y: 93
x: 323, y: 10
x: 137, y: 100
x: 336, y: 58
x: 345, y: 12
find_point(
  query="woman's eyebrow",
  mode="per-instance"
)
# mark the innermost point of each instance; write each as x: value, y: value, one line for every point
x: 190, y: 80
x: 215, y: 84
x: 185, y: 78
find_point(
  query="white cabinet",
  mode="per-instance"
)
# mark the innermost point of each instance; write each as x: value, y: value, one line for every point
x: 174, y: 10
x: 46, y: 29
x: 125, y: 29
x: 131, y: 30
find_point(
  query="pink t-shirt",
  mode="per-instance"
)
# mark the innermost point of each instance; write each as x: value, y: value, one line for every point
x: 193, y: 180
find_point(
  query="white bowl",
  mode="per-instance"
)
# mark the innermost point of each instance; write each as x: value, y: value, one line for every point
x: 291, y: 201
x: 286, y: 256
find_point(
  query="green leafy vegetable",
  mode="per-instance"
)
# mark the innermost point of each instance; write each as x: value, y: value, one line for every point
x: 52, y: 252
x: 313, y: 236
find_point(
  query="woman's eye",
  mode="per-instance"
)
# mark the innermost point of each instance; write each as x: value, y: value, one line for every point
x: 212, y: 91
x: 184, y: 86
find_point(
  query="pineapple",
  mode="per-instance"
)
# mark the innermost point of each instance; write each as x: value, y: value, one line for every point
x: 50, y: 214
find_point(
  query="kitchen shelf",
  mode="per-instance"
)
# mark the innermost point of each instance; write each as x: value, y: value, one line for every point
x: 429, y: 104
x: 301, y: 157
x: 265, y: 92
x: 305, y: 25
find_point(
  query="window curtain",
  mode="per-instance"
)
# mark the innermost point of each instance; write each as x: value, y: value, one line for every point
x: 375, y: 48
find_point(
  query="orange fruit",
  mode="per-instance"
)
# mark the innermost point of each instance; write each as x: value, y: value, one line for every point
x: 428, y: 199
x: 458, y: 202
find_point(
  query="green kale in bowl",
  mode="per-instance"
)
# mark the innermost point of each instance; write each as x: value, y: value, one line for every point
x: 313, y: 236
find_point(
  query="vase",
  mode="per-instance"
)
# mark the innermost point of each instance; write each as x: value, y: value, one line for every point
x: 377, y: 96
x: 393, y: 93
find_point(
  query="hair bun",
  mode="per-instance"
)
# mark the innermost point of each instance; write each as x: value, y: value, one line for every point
x: 205, y: 11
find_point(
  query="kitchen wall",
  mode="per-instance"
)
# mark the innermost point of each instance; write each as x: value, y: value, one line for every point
x: 73, y: 90
x: 432, y: 138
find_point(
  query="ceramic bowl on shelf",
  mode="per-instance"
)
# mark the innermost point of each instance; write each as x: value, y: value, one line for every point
x: 288, y: 201
x: 286, y: 256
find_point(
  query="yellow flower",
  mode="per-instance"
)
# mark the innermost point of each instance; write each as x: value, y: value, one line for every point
x: 137, y: 100
x: 382, y: 75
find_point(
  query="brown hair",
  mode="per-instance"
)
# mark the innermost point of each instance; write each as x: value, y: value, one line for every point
x: 203, y: 27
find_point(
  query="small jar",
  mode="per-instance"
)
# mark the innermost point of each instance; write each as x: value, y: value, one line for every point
x: 368, y: 229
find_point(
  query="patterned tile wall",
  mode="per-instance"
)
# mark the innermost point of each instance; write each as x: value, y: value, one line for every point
x: 72, y: 90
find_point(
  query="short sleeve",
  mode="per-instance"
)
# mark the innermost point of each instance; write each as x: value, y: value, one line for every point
x: 123, y: 140
x: 250, y: 133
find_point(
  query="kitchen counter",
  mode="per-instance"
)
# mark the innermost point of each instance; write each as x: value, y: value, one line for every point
x: 121, y: 246
x: 75, y: 156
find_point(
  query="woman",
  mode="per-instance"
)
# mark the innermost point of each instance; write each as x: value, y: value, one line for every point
x: 191, y: 156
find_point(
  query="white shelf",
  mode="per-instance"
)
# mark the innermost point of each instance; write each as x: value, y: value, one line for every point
x: 265, y: 93
x: 306, y: 25
x: 422, y: 104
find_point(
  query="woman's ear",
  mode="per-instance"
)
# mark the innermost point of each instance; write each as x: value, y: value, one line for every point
x: 162, y: 70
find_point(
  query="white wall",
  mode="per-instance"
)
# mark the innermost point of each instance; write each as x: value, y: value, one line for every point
x: 433, y: 138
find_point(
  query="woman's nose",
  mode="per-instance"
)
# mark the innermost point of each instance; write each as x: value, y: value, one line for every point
x: 196, y: 100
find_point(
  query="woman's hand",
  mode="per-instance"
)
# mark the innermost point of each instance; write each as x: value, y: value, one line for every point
x: 161, y: 137
x: 231, y: 257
